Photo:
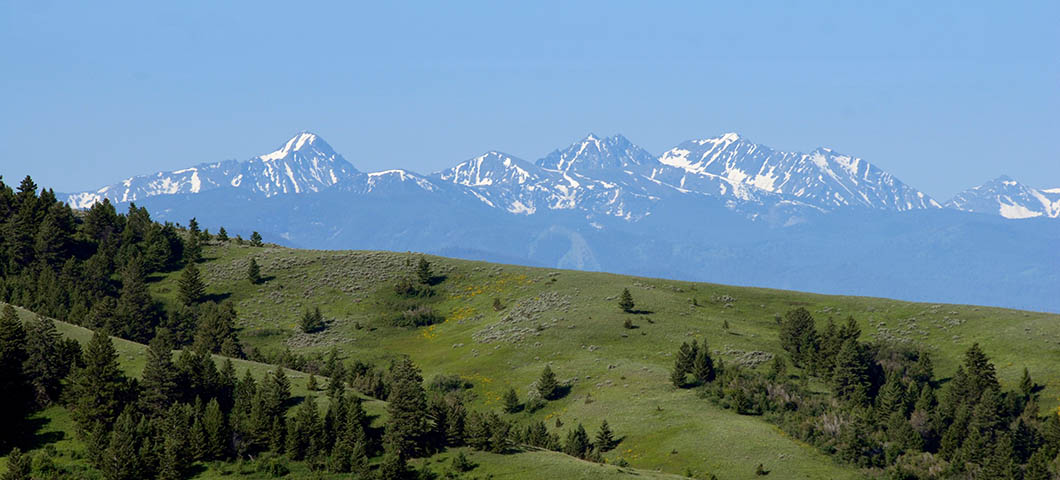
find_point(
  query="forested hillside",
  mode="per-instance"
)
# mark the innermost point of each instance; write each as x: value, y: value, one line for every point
x: 179, y: 353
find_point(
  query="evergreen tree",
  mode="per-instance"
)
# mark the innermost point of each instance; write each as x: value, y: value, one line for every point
x: 605, y: 438
x: 799, y: 336
x: 303, y: 429
x: 19, y: 466
x: 254, y: 272
x: 547, y: 385
x: 891, y: 397
x: 46, y: 363
x: 423, y: 271
x: 407, y: 408
x: 222, y: 235
x: 577, y: 442
x: 97, y: 388
x: 255, y: 240
x: 625, y: 301
x: 1026, y: 384
x: 703, y: 366
x: 217, y: 326
x: 312, y: 321
x: 135, y: 316
x: 277, y: 392
x: 191, y: 288
x: 216, y: 429
x: 121, y: 459
x: 159, y: 383
x: 850, y: 378
x: 16, y: 399
x: 1038, y: 466
x: 192, y: 249
x: 511, y: 401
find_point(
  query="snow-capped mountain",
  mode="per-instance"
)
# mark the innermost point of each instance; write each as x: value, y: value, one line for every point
x: 305, y: 163
x: 520, y: 187
x: 1008, y: 198
x: 823, y: 178
x: 721, y: 209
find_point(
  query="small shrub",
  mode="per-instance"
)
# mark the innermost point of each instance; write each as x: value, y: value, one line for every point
x: 448, y: 383
x: 497, y: 306
x: 628, y: 324
x: 462, y: 464
x: 419, y: 316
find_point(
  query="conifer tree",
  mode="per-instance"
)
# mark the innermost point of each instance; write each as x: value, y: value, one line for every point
x: 192, y: 290
x: 511, y: 401
x: 46, y: 363
x: 254, y: 272
x: 121, y: 460
x: 303, y: 429
x: 799, y: 336
x: 547, y: 385
x: 159, y: 383
x: 277, y: 392
x: 850, y: 377
x: 1026, y: 384
x: 222, y: 235
x: 625, y: 301
x: 605, y: 438
x: 255, y: 240
x: 577, y: 442
x: 703, y: 366
x: 15, y: 386
x: 134, y: 316
x: 407, y: 408
x: 423, y: 271
x: 216, y: 429
x: 19, y: 465
x: 97, y: 387
x: 312, y: 321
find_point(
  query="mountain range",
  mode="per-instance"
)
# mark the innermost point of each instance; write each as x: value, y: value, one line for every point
x: 722, y: 209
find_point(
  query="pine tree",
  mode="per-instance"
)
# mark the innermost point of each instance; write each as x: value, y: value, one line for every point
x: 303, y: 429
x: 577, y: 442
x: 1038, y: 466
x: 312, y: 321
x: 625, y: 301
x: 97, y: 387
x: 121, y: 459
x: 213, y: 423
x: 46, y: 363
x: 135, y: 316
x: 703, y: 366
x: 191, y: 288
x: 605, y: 438
x: 799, y: 336
x: 850, y: 378
x: 311, y: 383
x: 547, y: 385
x: 891, y: 397
x: 19, y: 465
x: 1026, y: 384
x: 678, y: 374
x: 254, y: 272
x: 423, y: 272
x: 276, y: 392
x: 407, y: 408
x: 16, y: 399
x: 255, y: 240
x: 511, y: 401
x: 159, y: 383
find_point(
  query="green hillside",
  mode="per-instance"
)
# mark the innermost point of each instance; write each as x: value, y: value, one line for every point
x: 571, y: 321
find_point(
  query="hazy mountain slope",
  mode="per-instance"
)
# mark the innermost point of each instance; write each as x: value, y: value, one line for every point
x: 1008, y: 198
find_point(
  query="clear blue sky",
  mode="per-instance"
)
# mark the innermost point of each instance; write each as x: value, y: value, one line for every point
x: 945, y: 95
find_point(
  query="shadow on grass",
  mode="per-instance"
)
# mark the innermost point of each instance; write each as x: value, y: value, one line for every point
x: 435, y: 280
x: 640, y: 312
x: 38, y: 439
x: 216, y: 297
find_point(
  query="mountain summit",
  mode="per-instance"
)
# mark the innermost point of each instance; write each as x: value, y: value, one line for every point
x: 1008, y: 198
x: 305, y: 163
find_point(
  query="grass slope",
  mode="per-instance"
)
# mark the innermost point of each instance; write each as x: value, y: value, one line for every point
x: 56, y: 430
x: 570, y: 320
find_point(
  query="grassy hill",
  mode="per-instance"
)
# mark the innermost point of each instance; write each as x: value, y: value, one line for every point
x: 570, y: 320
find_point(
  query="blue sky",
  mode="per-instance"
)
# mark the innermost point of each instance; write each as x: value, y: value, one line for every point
x: 945, y: 95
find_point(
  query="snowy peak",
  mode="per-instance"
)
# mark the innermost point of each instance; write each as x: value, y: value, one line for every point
x: 490, y: 168
x: 1008, y: 198
x: 595, y: 154
x: 823, y: 178
x: 304, y: 163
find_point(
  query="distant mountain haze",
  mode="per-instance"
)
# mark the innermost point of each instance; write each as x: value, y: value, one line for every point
x: 721, y: 209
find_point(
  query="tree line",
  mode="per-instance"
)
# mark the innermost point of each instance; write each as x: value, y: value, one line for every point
x: 887, y: 411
